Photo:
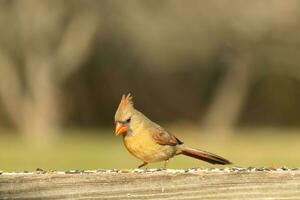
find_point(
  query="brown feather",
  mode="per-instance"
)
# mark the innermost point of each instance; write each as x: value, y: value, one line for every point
x: 165, y: 138
x: 205, y: 156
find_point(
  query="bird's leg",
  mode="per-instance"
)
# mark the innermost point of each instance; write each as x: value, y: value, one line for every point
x: 142, y: 165
x: 165, y: 165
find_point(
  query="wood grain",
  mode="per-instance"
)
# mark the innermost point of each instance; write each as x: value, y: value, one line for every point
x: 165, y: 184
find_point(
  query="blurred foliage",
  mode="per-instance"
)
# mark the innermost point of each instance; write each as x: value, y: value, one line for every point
x: 217, y: 63
x: 228, y: 69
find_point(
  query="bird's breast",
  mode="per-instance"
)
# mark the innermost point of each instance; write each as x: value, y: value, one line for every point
x: 144, y: 147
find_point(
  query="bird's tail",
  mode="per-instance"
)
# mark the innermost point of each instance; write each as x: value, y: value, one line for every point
x: 204, y: 155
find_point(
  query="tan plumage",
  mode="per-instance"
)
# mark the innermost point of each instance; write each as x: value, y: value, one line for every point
x: 149, y: 142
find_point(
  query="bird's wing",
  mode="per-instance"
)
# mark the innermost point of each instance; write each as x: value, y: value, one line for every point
x: 165, y: 138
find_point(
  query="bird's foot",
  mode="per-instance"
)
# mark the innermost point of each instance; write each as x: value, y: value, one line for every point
x: 142, y: 165
x: 165, y: 165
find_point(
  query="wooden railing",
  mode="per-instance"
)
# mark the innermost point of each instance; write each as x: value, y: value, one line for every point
x: 233, y: 183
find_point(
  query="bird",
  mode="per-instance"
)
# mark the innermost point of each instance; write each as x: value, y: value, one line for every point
x: 149, y: 142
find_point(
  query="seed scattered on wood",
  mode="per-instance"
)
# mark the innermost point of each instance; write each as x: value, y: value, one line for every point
x: 234, y: 169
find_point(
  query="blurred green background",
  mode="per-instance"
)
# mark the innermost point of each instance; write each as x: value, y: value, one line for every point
x: 223, y: 76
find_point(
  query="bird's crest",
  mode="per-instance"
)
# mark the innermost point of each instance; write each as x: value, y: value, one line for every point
x: 126, y: 100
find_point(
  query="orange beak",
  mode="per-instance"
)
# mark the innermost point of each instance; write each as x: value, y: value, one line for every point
x: 120, y: 128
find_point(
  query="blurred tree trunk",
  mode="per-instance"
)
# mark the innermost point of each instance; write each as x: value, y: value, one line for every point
x: 230, y: 96
x: 30, y: 91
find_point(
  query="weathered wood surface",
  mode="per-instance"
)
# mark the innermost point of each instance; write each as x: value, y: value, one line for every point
x: 153, y: 184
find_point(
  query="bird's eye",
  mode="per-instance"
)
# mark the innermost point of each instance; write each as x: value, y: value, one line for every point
x: 128, y: 120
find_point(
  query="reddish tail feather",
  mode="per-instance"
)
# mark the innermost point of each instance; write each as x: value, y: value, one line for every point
x: 205, y: 156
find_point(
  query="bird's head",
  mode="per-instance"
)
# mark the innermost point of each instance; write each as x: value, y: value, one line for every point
x: 123, y: 115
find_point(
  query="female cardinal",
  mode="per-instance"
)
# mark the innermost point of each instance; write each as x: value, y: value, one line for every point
x: 149, y: 142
